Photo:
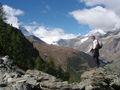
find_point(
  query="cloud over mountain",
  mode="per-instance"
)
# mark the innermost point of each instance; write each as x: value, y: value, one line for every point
x: 49, y: 35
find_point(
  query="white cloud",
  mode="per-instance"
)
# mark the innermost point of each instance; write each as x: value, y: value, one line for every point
x: 97, y: 18
x: 93, y: 2
x: 50, y: 36
x: 109, y: 4
x: 11, y: 15
x: 30, y: 28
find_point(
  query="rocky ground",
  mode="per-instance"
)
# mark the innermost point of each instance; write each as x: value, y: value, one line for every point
x: 12, y: 78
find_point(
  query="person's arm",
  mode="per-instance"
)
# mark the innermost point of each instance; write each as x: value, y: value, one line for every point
x: 90, y: 49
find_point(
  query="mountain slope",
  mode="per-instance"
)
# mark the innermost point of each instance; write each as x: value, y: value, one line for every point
x: 70, y: 60
x: 111, y: 49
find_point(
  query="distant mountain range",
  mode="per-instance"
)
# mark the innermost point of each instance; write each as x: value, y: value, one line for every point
x: 110, y: 40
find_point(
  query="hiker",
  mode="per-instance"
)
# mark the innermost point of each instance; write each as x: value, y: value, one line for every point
x: 95, y: 50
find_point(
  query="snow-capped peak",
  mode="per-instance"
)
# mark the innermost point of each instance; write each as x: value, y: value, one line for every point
x: 96, y: 32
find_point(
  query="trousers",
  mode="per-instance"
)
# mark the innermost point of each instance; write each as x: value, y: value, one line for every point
x: 96, y: 57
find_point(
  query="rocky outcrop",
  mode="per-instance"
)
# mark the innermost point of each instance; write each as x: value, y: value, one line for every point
x: 16, y: 79
x: 99, y: 79
x: 12, y: 78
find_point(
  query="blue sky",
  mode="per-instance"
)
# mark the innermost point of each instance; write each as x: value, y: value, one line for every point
x: 52, y: 13
x: 52, y: 20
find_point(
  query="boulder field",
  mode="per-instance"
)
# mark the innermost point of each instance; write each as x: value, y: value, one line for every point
x: 13, y: 78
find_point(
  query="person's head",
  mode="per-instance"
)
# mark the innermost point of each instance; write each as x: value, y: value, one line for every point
x: 93, y: 37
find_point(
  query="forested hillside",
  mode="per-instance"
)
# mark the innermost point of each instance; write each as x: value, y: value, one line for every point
x: 14, y: 44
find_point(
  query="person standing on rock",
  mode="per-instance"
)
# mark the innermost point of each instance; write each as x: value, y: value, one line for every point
x: 95, y: 50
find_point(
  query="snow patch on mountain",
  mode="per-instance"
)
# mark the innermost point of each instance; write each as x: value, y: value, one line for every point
x: 84, y: 39
x: 96, y: 32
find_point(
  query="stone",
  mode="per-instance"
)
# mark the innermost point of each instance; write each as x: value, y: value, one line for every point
x: 7, y: 60
x: 3, y: 84
x: 95, y: 79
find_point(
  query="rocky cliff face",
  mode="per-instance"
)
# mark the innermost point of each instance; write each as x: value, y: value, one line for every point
x: 12, y: 78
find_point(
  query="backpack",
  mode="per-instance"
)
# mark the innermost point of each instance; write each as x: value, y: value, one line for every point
x: 100, y: 45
